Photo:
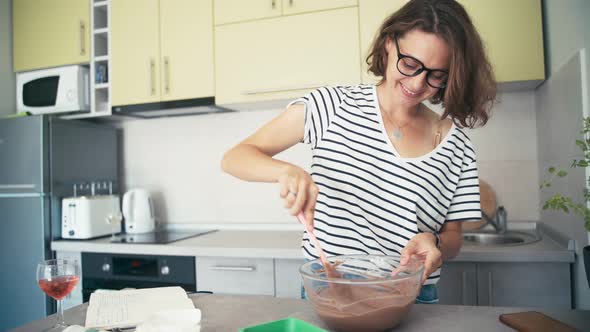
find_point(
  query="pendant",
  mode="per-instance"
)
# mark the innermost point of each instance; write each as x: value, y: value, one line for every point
x: 397, y: 134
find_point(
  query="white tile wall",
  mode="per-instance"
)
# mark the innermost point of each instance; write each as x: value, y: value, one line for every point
x: 178, y: 159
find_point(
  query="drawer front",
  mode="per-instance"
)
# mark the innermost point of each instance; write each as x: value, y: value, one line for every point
x: 288, y: 280
x: 235, y: 275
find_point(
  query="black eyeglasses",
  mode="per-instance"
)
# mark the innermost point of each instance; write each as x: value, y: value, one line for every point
x: 410, y: 66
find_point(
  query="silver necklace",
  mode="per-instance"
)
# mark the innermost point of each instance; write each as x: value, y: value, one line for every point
x: 397, y: 133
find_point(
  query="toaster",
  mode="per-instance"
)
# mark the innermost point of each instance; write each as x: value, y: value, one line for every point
x: 88, y: 217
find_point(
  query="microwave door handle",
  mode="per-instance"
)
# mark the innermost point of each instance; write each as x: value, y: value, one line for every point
x: 82, y: 38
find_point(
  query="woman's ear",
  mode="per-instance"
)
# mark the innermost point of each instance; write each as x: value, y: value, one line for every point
x: 388, y: 45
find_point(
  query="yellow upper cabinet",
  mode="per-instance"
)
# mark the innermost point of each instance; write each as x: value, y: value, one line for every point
x: 284, y: 57
x: 186, y: 49
x: 371, y: 14
x: 511, y: 30
x: 135, y: 52
x: 304, y: 6
x: 513, y: 35
x: 50, y: 33
x: 162, y: 50
x: 230, y: 11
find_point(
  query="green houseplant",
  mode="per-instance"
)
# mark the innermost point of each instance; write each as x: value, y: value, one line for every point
x: 567, y: 204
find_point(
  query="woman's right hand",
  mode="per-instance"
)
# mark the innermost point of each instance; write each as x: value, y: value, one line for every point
x: 299, y: 192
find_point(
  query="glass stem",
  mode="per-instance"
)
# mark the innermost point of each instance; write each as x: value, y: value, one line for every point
x: 60, y: 313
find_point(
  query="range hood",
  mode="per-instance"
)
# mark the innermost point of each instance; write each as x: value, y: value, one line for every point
x: 174, y: 108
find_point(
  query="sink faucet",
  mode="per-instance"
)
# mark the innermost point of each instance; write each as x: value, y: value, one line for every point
x: 499, y: 222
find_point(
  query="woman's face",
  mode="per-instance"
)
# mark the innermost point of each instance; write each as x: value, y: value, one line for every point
x: 431, y: 52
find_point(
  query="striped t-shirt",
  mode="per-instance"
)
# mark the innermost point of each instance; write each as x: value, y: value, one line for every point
x: 371, y: 200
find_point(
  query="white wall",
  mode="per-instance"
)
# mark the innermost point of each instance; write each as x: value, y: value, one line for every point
x: 561, y: 103
x: 177, y: 159
x: 7, y: 78
x: 567, y: 30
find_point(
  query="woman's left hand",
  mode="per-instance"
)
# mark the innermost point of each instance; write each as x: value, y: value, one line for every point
x: 423, y: 244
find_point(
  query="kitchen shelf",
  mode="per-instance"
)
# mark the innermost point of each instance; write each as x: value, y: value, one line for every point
x: 100, y: 92
x: 101, y: 31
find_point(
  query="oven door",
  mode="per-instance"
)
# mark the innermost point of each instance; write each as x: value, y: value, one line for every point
x: 119, y: 271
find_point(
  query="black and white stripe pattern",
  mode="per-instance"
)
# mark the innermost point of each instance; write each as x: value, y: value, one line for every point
x: 372, y: 200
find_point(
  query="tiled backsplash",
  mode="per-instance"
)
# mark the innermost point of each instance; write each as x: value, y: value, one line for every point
x: 178, y: 161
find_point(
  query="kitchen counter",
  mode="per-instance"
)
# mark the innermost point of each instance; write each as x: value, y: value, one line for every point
x: 287, y: 245
x: 228, y: 313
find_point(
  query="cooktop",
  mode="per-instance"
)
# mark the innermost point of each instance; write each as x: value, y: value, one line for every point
x: 159, y: 236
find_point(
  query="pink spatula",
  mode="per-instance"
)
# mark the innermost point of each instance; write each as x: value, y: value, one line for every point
x: 328, y: 267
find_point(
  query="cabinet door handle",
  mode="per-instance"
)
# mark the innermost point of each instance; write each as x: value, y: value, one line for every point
x: 291, y: 3
x: 281, y: 89
x: 82, y: 38
x: 166, y: 75
x: 464, y: 287
x: 233, y: 268
x: 274, y: 4
x: 16, y: 186
x: 152, y: 76
x: 490, y: 289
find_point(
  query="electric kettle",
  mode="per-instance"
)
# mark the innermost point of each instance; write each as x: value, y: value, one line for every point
x: 138, y: 212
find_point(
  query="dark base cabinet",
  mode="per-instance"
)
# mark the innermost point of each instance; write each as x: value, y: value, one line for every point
x: 506, y: 284
x: 458, y: 284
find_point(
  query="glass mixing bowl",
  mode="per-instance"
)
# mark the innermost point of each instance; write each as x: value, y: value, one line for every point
x: 370, y: 293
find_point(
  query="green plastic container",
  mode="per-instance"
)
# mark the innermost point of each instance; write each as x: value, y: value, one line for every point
x: 283, y: 325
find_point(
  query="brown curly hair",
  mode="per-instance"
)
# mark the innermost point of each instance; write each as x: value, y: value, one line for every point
x: 471, y: 88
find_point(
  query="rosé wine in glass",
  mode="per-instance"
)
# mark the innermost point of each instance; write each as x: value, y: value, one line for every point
x: 59, y: 287
x: 57, y: 278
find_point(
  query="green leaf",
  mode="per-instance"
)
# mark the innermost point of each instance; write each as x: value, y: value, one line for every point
x: 582, y: 163
x: 582, y: 145
x: 551, y: 169
x: 561, y: 173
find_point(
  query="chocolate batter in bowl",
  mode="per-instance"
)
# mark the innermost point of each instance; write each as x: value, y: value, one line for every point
x: 372, y: 292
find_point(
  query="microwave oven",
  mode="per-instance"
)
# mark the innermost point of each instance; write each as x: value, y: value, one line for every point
x: 53, y: 90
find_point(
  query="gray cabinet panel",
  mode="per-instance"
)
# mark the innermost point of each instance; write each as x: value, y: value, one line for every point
x: 23, y: 154
x: 22, y: 244
x: 458, y: 284
x: 524, y: 285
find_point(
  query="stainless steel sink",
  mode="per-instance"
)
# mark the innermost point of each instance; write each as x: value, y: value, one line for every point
x: 510, y: 238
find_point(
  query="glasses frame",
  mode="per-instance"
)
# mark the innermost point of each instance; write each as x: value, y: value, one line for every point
x: 422, y: 68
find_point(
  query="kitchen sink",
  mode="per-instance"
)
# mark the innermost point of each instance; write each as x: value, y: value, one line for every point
x: 510, y: 238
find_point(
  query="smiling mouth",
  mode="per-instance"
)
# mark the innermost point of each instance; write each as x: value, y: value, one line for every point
x: 407, y: 92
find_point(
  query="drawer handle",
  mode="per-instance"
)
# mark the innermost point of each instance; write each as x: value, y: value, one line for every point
x: 274, y: 4
x: 281, y: 89
x: 233, y: 268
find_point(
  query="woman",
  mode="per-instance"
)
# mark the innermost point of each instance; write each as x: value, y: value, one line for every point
x: 389, y: 175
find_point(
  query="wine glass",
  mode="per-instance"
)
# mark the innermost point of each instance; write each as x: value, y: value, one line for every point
x: 57, y: 278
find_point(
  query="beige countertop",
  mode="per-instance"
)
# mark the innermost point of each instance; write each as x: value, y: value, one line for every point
x: 286, y: 244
